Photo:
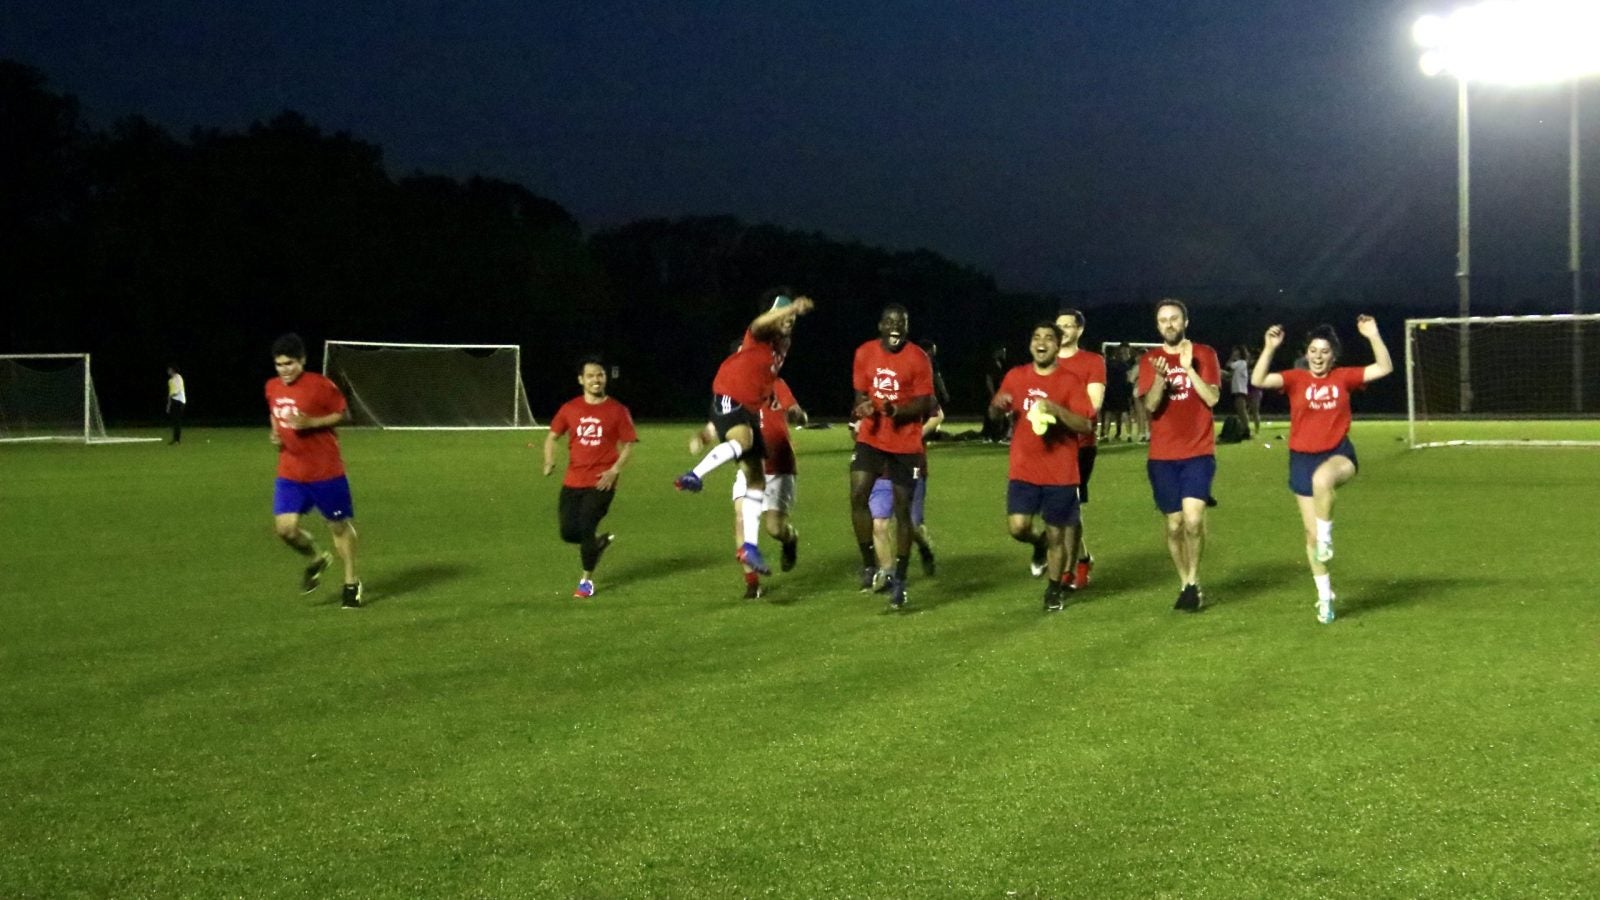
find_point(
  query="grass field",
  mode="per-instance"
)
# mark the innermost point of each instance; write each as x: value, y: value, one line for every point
x: 180, y: 721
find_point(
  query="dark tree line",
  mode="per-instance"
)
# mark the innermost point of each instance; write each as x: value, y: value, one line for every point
x: 145, y: 248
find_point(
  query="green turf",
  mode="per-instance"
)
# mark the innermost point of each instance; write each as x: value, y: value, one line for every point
x: 179, y: 721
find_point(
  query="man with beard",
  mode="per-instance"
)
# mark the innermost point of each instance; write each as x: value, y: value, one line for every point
x: 1179, y: 383
x: 893, y: 381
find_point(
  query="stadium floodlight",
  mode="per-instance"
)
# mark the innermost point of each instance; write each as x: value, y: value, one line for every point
x: 430, y: 387
x: 1510, y: 42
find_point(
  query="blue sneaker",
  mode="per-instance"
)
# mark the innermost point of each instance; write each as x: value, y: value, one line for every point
x: 1325, y: 613
x: 750, y: 555
x: 897, y: 593
x: 688, y: 481
x: 585, y: 589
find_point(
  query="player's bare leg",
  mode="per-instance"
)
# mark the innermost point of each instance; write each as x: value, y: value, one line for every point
x: 861, y: 522
x: 344, y: 541
x: 1021, y: 529
x: 287, y: 527
x: 1325, y: 482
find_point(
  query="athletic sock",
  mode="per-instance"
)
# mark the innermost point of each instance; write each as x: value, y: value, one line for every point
x: 1324, y: 586
x: 869, y: 557
x: 727, y: 451
x: 1325, y: 530
x: 752, y: 579
x: 902, y: 565
x: 750, y: 512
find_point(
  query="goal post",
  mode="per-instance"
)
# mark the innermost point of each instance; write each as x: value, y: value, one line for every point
x: 430, y: 387
x: 51, y: 397
x: 1533, y: 381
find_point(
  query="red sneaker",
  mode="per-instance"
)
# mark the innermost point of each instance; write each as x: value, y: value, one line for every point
x: 1081, y: 577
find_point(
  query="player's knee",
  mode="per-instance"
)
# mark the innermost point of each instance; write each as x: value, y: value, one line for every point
x: 288, y: 532
x: 1020, y: 531
x: 572, y: 534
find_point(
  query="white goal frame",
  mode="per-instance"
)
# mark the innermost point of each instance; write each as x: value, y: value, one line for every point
x: 519, y: 400
x: 1466, y: 322
x: 92, y: 434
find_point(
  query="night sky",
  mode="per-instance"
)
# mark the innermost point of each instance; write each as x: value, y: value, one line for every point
x: 1058, y: 145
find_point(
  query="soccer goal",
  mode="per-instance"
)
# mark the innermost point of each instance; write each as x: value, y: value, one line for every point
x: 430, y: 387
x: 50, y: 397
x: 1525, y: 381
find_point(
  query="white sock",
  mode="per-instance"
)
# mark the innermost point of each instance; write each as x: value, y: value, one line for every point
x: 1324, y: 586
x: 1325, y: 531
x: 750, y: 514
x: 727, y: 451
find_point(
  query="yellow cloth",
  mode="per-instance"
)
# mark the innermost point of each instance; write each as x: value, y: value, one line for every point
x: 1040, y: 419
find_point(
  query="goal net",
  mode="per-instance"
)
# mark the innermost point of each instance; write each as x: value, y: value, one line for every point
x: 1503, y: 381
x: 438, y: 387
x: 50, y: 397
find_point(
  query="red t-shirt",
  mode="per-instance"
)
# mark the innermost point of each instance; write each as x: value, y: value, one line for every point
x: 597, y: 429
x: 897, y: 378
x: 1050, y: 458
x: 747, y: 374
x: 1319, y: 408
x: 1182, y: 427
x: 309, y: 454
x: 1091, y: 367
x: 775, y: 430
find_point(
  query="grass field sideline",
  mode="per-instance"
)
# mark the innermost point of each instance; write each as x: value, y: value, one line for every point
x: 180, y: 721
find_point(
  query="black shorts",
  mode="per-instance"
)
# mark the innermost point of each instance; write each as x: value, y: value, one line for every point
x: 726, y: 413
x: 1116, y: 401
x: 902, y: 469
x: 1086, y: 457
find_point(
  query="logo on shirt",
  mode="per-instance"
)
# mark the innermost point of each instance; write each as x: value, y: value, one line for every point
x: 886, y: 384
x: 1322, y: 396
x: 1034, y: 396
x: 1178, y: 383
x: 589, y: 431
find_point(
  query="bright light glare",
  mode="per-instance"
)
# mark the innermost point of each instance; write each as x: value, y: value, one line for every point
x: 1513, y: 41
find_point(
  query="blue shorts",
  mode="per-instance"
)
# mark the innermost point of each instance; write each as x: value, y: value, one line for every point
x: 1303, y: 465
x: 331, y: 497
x: 1057, y: 504
x: 1173, y: 480
x: 881, y: 500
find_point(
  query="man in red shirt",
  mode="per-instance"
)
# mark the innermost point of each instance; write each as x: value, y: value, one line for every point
x: 893, y: 381
x: 1053, y: 413
x: 304, y: 409
x: 1179, y: 383
x: 1321, y: 457
x: 1091, y: 367
x: 602, y: 440
x: 781, y: 471
x: 743, y: 385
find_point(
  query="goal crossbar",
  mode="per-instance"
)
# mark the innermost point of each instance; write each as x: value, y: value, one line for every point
x: 1533, y: 380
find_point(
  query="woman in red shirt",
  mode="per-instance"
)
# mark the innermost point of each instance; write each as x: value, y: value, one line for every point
x: 1321, y: 457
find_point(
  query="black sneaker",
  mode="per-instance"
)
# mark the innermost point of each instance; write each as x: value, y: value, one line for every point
x: 897, y: 593
x: 868, y: 577
x: 1052, y: 597
x: 352, y: 596
x: 929, y: 565
x: 1041, y: 558
x: 752, y: 590
x: 313, y: 574
x: 1188, y: 598
x: 791, y: 554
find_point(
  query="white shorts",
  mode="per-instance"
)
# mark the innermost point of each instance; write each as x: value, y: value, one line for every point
x: 779, y: 495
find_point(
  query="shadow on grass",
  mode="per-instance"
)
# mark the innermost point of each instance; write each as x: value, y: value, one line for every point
x: 633, y: 569
x: 1370, y: 594
x: 1244, y: 585
x: 407, y: 581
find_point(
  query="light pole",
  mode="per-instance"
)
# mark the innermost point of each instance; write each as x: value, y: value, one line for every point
x: 1504, y: 42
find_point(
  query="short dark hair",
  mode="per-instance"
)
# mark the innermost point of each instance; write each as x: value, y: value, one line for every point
x: 1050, y: 324
x: 289, y: 345
x: 1173, y: 301
x: 1325, y: 333
x: 1076, y: 314
x: 590, y: 359
x: 894, y: 307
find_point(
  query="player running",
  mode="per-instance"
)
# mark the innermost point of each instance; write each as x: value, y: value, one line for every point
x: 602, y: 439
